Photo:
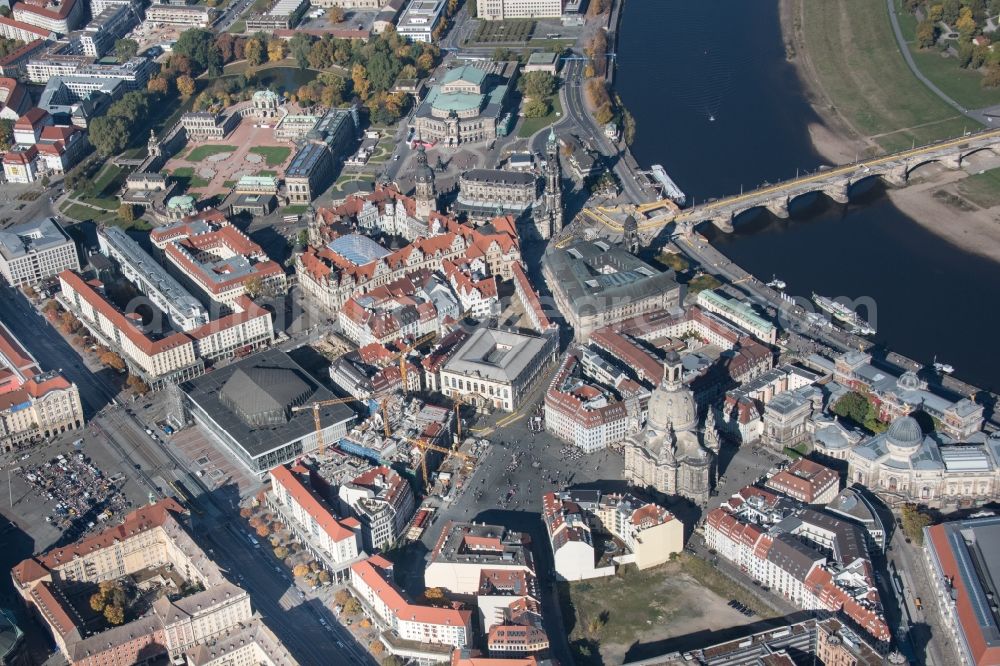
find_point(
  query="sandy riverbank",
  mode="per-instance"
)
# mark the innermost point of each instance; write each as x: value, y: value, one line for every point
x: 833, y: 137
x: 952, y: 218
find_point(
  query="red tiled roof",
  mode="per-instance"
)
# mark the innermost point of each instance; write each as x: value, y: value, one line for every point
x: 144, y: 518
x: 311, y: 504
x: 119, y: 320
x: 374, y: 573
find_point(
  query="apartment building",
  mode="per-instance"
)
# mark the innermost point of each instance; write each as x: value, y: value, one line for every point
x: 33, y: 404
x: 35, y: 251
x: 59, y: 16
x: 371, y: 581
x: 220, y: 262
x: 159, y: 361
x: 502, y: 10
x: 465, y: 550
x: 156, y: 535
x: 383, y: 502
x: 336, y: 542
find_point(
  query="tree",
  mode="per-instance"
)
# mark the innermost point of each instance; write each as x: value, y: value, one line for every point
x: 97, y: 602
x: 598, y: 7
x: 537, y: 84
x: 114, y: 614
x: 6, y: 134
x: 158, y: 84
x: 365, y: 623
x: 604, y: 114
x: 199, y: 45
x: 949, y: 11
x: 254, y: 51
x: 628, y: 127
x: 914, y: 523
x: 434, y: 593
x: 376, y: 648
x: 299, y: 47
x: 185, y: 86
x: 263, y: 531
x: 966, y: 25
x: 335, y: 14
x: 136, y: 384
x: 280, y: 552
x: 126, y: 213
x: 853, y: 406
x: 112, y: 360
x: 109, y: 135
x: 352, y: 606
x: 276, y: 50
x: 125, y: 49
x: 536, y: 108
x: 341, y: 597
x: 927, y: 34
x: 246, y: 512
x: 359, y: 76
x: 992, y: 77
x: 324, y: 576
x: 935, y: 13
x: 300, y: 570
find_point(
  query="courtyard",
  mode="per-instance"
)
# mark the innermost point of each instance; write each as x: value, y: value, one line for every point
x: 211, y: 167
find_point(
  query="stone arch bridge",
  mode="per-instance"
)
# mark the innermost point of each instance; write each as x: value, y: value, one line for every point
x: 836, y: 183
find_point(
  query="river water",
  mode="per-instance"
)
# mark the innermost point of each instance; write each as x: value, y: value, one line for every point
x: 717, y: 105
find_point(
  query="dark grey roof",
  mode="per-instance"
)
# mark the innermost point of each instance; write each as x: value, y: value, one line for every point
x: 260, y: 390
x: 793, y: 556
x: 499, y: 176
x: 598, y: 276
x: 256, y: 439
x: 848, y: 540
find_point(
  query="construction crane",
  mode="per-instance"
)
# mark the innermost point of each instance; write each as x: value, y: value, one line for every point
x: 402, y: 354
x: 459, y: 401
x: 426, y: 446
x: 385, y: 417
x: 315, y: 407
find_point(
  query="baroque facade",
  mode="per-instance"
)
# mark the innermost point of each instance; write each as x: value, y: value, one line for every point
x: 669, y: 454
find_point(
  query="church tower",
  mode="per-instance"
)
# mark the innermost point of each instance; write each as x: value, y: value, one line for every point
x: 553, y: 185
x: 425, y: 195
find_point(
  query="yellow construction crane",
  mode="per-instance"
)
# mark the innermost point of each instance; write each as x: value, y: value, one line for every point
x: 385, y: 417
x: 401, y: 355
x: 426, y: 446
x: 315, y: 407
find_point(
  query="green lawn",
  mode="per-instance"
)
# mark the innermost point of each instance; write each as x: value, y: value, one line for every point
x: 852, y: 48
x: 266, y: 172
x: 81, y: 212
x: 297, y: 209
x: 239, y: 26
x: 199, y: 153
x: 962, y: 85
x: 982, y: 189
x: 108, y: 175
x: 273, y: 155
x: 188, y: 179
x: 532, y: 125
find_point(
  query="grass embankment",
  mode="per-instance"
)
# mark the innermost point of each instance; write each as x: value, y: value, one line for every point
x: 532, y: 125
x: 850, y: 44
x: 982, y: 189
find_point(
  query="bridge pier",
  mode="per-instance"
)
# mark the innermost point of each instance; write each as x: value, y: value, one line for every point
x: 778, y: 207
x: 839, y: 192
x: 724, y: 224
x: 952, y: 162
x: 897, y: 176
